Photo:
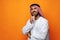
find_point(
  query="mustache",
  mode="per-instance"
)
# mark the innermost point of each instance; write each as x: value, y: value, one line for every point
x: 33, y: 11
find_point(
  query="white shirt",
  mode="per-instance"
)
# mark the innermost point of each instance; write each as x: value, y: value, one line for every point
x: 38, y: 29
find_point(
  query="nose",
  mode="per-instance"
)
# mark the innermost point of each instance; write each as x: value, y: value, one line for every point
x: 33, y: 10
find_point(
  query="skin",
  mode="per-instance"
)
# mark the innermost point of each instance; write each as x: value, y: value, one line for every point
x: 35, y: 16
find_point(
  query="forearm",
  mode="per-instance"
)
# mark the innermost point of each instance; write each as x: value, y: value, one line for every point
x: 27, y: 28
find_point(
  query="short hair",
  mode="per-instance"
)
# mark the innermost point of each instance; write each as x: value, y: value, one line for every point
x: 34, y: 5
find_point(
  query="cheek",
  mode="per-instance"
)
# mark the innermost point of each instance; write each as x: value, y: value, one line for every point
x: 31, y: 11
x: 36, y: 11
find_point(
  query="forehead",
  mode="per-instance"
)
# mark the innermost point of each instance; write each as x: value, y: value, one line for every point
x: 33, y: 6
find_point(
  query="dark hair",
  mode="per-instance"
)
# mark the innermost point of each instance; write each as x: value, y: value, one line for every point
x: 34, y: 5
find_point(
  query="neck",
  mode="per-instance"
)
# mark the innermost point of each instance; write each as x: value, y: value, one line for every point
x: 37, y: 17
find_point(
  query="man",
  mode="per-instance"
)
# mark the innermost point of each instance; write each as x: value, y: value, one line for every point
x: 37, y: 26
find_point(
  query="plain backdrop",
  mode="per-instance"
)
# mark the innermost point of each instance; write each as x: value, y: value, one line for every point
x: 15, y: 13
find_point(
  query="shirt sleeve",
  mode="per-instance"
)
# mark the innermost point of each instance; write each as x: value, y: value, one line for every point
x: 27, y: 27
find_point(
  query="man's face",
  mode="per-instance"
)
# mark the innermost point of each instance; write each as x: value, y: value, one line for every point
x: 33, y: 10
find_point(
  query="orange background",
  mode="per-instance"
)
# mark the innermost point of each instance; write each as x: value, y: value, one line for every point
x: 15, y: 13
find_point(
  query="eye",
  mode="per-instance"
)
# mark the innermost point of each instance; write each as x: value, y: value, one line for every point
x: 34, y: 8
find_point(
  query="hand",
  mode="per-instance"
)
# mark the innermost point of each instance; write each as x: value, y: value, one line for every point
x: 32, y: 19
x: 29, y: 34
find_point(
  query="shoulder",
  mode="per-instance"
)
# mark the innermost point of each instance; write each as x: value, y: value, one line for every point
x: 43, y: 19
